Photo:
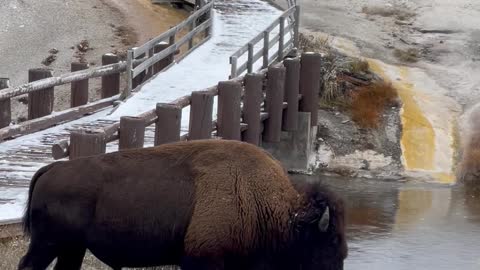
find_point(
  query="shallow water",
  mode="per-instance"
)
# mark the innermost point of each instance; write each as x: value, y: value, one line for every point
x: 399, y: 226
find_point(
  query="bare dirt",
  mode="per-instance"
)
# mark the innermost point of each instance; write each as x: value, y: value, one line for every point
x: 54, y: 33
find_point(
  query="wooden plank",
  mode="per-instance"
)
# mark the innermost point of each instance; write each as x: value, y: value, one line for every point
x: 242, y: 68
x: 257, y: 56
x: 274, y: 40
x: 192, y: 33
x: 244, y: 48
x: 196, y: 15
x: 151, y: 61
x: 149, y: 44
x: 62, y: 79
x: 54, y: 119
x: 179, y: 59
x: 171, y: 32
x: 289, y: 27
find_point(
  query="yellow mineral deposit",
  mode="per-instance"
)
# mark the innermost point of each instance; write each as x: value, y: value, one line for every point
x: 428, y: 117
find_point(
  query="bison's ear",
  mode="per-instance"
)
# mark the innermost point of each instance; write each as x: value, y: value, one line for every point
x: 324, y: 220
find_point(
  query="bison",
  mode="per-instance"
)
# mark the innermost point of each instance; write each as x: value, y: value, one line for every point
x: 206, y: 204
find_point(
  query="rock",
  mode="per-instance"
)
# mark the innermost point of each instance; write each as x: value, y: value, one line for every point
x: 83, y: 46
x: 53, y: 51
x: 49, y: 60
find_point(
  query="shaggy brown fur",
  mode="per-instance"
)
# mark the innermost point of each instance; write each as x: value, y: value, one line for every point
x: 209, y: 204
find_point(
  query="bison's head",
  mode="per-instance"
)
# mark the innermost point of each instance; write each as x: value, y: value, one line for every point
x: 320, y: 230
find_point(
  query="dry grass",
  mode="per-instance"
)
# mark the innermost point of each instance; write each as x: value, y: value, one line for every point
x: 369, y: 102
x: 358, y: 65
x: 410, y: 55
x: 314, y: 43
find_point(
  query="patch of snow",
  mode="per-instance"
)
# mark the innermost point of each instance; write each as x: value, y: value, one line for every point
x: 12, y: 203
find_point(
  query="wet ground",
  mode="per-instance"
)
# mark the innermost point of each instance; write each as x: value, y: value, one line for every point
x: 404, y: 226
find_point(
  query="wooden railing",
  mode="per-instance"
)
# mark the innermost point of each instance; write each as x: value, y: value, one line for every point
x: 164, y: 46
x: 288, y: 26
x: 142, y: 63
x: 253, y: 108
x: 40, y: 91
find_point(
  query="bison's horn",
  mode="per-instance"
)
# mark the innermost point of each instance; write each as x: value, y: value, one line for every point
x: 324, y: 220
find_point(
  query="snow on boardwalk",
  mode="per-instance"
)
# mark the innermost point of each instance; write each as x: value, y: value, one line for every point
x: 235, y: 23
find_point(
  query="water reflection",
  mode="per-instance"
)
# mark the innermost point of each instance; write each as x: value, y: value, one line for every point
x: 409, y: 226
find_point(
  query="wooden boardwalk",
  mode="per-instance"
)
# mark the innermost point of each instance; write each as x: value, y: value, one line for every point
x: 20, y: 158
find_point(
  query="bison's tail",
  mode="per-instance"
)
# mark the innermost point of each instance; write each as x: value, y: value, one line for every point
x: 26, y: 216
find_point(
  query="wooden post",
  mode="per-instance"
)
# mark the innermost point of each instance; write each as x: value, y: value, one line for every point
x: 266, y: 47
x: 250, y: 58
x: 5, y: 107
x: 281, y: 39
x: 296, y: 28
x: 167, y: 127
x: 233, y: 63
x: 310, y: 77
x: 171, y: 41
x: 160, y: 65
x: 40, y: 103
x: 229, y: 95
x: 86, y: 143
x: 129, y: 85
x: 110, y: 83
x: 274, y: 103
x: 60, y: 150
x: 140, y: 78
x: 192, y: 26
x: 131, y: 133
x: 252, y: 107
x: 201, y: 110
x: 79, y: 89
x: 292, y: 86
